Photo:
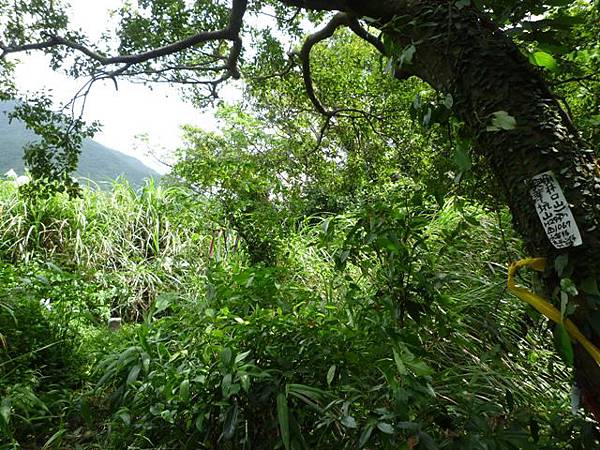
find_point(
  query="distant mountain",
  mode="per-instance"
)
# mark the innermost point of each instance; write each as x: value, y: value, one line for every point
x: 96, y: 162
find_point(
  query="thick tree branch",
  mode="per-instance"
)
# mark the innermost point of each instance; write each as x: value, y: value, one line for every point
x: 365, y: 35
x: 326, y: 32
x: 381, y: 10
x: 230, y: 33
x: 338, y: 20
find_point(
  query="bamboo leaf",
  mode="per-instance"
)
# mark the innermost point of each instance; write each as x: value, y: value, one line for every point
x: 331, y: 374
x: 283, y: 420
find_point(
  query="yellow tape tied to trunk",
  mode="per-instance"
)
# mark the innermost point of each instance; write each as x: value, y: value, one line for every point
x: 546, y: 308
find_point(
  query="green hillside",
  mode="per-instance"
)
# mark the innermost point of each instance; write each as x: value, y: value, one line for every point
x: 97, y: 162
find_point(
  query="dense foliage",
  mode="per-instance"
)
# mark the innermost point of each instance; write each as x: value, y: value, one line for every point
x: 299, y: 281
x: 382, y: 327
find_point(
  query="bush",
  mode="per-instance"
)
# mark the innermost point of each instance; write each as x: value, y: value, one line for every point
x: 39, y: 358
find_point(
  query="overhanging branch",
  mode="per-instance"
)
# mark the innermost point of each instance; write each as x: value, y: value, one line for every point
x: 338, y: 20
x: 326, y: 32
x: 365, y: 35
x: 229, y: 33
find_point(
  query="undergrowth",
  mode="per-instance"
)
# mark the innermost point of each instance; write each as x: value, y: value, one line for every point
x: 387, y: 327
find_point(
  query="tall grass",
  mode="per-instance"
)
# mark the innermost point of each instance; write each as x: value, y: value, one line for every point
x: 492, y: 354
x: 491, y: 343
x: 136, y: 238
x: 99, y: 228
x: 220, y: 353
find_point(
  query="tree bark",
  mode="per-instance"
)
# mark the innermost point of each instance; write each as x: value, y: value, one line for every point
x: 461, y: 52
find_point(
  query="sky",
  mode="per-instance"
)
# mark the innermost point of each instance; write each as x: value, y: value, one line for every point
x: 124, y: 114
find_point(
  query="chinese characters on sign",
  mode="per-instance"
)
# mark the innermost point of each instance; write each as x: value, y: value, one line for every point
x: 554, y: 212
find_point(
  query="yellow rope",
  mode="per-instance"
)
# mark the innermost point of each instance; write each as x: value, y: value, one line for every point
x: 546, y: 308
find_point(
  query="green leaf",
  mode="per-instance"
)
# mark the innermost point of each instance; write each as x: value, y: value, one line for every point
x: 560, y: 264
x: 460, y: 4
x: 168, y: 416
x: 410, y: 426
x: 407, y: 55
x: 405, y: 358
x: 308, y: 391
x: 564, y: 302
x: 283, y: 419
x: 501, y: 120
x: 145, y: 361
x: 331, y: 374
x: 543, y: 59
x: 427, y: 117
x: 385, y: 427
x: 124, y: 415
x: 448, y: 101
x: 133, y: 374
x: 399, y: 363
x: 156, y: 409
x: 230, y: 423
x: 199, y: 423
x: 349, y: 422
x: 226, y: 385
x: 226, y: 356
x: 462, y: 159
x: 325, y: 225
x: 309, y: 395
x: 5, y: 411
x: 163, y: 301
x: 365, y: 435
x: 420, y: 368
x: 426, y: 441
x: 389, y: 44
x: 242, y: 356
x: 245, y: 382
x: 184, y: 390
x: 562, y: 341
x: 55, y: 439
x: 568, y: 287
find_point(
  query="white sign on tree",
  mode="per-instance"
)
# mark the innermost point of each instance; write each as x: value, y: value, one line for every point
x: 554, y: 212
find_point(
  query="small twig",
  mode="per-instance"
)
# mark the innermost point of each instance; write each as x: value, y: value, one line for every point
x: 592, y: 76
x: 287, y: 69
x: 296, y: 14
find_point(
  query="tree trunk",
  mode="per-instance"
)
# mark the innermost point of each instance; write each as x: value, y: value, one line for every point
x: 461, y: 52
